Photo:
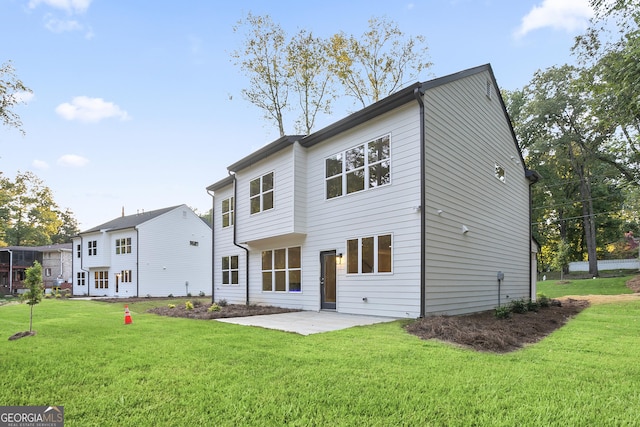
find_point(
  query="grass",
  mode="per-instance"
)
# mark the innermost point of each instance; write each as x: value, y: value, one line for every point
x: 179, y: 372
x: 602, y: 286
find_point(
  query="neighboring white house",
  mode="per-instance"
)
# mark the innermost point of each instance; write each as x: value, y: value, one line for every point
x: 154, y: 253
x: 418, y: 204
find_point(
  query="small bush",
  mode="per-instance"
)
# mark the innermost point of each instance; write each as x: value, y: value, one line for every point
x: 188, y: 305
x: 201, y: 294
x: 214, y: 307
x: 503, y: 312
x: 197, y: 303
x: 172, y: 306
x: 519, y: 306
x: 222, y: 303
x: 543, y: 301
x: 533, y: 305
x: 189, y: 294
x: 170, y: 295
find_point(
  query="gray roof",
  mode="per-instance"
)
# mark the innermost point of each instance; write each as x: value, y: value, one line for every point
x: 44, y: 248
x: 129, y: 221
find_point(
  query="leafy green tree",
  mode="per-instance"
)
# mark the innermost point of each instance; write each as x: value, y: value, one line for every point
x: 10, y: 89
x: 34, y: 292
x: 29, y: 215
x: 378, y: 63
x: 562, y: 258
x: 263, y: 59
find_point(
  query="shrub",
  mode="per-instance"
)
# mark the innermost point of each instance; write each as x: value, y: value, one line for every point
x: 214, y: 307
x: 189, y: 294
x: 172, y: 306
x: 532, y: 305
x: 170, y: 295
x: 188, y: 305
x: 543, y: 301
x: 197, y: 303
x: 519, y: 306
x: 222, y: 303
x: 201, y: 294
x: 503, y: 312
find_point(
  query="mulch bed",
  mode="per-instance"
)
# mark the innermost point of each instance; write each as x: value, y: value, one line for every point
x: 485, y: 332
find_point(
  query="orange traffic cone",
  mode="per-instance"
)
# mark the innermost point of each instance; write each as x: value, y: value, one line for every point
x: 127, y: 315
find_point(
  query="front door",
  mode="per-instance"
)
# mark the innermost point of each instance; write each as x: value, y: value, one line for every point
x: 328, y: 280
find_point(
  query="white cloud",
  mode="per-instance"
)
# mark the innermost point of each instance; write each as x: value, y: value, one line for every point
x: 61, y: 26
x: 90, y: 110
x: 71, y: 6
x: 567, y: 15
x: 72, y: 160
x: 40, y: 164
x: 23, y: 97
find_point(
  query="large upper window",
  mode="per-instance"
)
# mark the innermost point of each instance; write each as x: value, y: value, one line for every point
x: 367, y: 255
x: 227, y: 212
x: 281, y: 270
x: 261, y: 193
x: 359, y: 168
x: 123, y: 246
x: 230, y: 270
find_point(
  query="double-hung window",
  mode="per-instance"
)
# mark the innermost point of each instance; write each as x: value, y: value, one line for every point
x: 123, y: 246
x: 261, y: 193
x: 227, y: 212
x: 93, y: 247
x: 367, y: 255
x: 230, y: 270
x: 80, y: 277
x: 360, y: 168
x: 281, y: 270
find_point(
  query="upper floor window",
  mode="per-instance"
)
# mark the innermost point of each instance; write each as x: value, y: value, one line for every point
x: 367, y: 255
x: 230, y: 270
x: 93, y: 247
x: 261, y: 193
x: 359, y: 168
x: 281, y: 270
x: 78, y: 250
x: 123, y: 246
x: 227, y: 212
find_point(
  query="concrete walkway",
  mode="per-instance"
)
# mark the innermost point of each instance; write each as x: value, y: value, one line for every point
x: 308, y: 322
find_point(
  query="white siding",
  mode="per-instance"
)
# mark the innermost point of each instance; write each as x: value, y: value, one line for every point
x: 122, y: 262
x: 223, y: 246
x: 167, y: 260
x: 388, y: 209
x: 467, y: 133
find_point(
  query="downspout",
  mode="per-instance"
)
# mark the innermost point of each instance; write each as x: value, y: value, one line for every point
x: 213, y: 245
x: 137, y: 262
x: 235, y: 224
x: 418, y: 93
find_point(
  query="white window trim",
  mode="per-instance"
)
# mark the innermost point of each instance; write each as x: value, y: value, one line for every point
x: 366, y: 165
x: 375, y: 271
x: 230, y: 270
x: 287, y: 269
x: 261, y: 194
x: 230, y: 212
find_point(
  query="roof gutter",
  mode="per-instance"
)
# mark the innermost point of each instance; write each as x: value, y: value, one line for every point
x: 418, y: 93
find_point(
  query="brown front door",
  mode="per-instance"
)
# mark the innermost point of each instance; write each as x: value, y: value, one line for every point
x: 328, y: 280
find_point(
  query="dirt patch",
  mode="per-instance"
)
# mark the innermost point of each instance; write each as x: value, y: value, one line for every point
x: 201, y: 311
x: 485, y: 332
x: 634, y: 284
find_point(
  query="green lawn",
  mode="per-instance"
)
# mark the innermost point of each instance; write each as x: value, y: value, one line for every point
x: 603, y: 286
x: 178, y: 372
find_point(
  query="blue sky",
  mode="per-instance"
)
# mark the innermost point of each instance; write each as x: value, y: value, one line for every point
x: 137, y: 104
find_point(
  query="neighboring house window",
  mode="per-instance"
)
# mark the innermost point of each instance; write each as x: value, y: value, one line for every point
x: 261, y: 193
x: 101, y: 279
x: 123, y: 246
x: 125, y: 276
x: 47, y: 272
x: 281, y: 270
x: 93, y: 247
x: 230, y: 270
x: 78, y: 250
x: 227, y: 212
x: 360, y: 168
x: 499, y: 173
x: 367, y: 255
x: 80, y: 279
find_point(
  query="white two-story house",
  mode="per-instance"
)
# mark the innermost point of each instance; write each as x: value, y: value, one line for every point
x: 156, y: 253
x: 418, y: 204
